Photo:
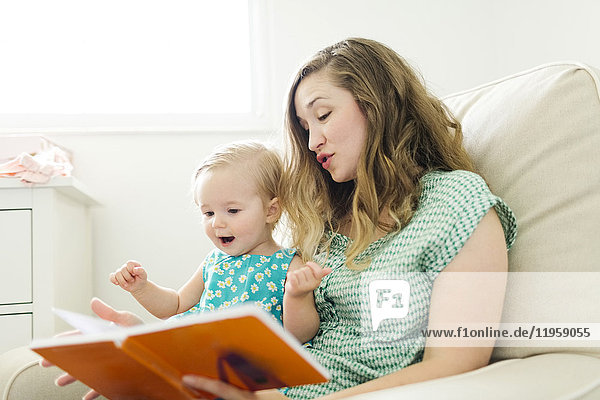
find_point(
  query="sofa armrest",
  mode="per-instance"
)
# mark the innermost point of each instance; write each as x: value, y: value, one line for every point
x: 22, y: 378
x: 543, y: 377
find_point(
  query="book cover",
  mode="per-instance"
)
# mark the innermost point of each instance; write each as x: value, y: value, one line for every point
x: 243, y: 346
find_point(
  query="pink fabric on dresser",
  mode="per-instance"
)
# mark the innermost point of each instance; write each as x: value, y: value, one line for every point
x: 38, y: 168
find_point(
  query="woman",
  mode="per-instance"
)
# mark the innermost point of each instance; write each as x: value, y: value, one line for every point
x: 380, y: 190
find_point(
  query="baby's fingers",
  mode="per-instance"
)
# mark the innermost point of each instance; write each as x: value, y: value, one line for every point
x: 324, y: 272
x: 140, y: 273
x: 130, y: 266
x: 126, y: 273
x: 292, y: 279
x: 316, y: 270
x: 120, y: 279
x: 307, y: 275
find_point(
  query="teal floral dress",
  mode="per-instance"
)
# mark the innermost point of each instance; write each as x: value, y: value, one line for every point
x: 355, y: 342
x: 229, y: 281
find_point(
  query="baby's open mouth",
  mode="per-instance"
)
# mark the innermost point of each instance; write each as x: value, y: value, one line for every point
x: 226, y: 239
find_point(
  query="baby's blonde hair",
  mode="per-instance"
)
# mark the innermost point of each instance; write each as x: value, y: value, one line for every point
x: 252, y: 158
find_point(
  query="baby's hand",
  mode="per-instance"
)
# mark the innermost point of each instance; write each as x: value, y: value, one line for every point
x: 131, y: 277
x: 304, y: 280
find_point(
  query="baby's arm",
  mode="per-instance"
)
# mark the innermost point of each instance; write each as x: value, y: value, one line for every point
x: 160, y: 301
x: 300, y: 315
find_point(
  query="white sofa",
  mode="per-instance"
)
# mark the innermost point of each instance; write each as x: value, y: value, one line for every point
x: 535, y: 136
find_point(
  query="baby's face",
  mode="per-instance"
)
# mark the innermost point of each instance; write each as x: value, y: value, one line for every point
x: 234, y: 215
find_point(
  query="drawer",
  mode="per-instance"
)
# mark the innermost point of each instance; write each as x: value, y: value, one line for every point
x: 15, y: 256
x: 15, y: 331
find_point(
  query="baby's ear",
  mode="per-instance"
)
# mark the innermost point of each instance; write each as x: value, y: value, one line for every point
x: 273, y: 210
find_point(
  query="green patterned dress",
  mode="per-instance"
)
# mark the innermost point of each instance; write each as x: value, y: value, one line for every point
x: 355, y: 342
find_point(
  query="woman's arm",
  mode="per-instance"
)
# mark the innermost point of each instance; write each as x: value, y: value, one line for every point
x: 456, y: 305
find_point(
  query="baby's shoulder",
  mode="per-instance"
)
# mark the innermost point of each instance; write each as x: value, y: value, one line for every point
x: 296, y: 263
x: 216, y: 257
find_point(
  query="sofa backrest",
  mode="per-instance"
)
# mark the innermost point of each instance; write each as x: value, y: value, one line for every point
x: 535, y: 137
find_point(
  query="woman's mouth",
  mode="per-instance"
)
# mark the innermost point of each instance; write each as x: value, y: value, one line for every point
x: 325, y: 160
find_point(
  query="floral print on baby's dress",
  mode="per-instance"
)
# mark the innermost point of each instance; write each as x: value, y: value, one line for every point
x: 229, y: 281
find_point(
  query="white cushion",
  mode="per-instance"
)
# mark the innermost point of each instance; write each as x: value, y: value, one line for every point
x: 535, y: 137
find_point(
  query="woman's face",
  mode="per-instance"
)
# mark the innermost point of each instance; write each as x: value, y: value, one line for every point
x: 337, y: 128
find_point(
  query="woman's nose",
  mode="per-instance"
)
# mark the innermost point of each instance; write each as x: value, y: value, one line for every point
x: 315, y: 139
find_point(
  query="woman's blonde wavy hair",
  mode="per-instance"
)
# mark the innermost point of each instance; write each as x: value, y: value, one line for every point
x: 409, y: 133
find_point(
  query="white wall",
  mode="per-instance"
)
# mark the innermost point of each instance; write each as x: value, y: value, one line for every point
x: 456, y: 44
x: 143, y: 180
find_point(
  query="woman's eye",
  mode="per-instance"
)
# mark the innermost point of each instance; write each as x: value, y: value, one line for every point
x: 303, y: 126
x: 324, y: 116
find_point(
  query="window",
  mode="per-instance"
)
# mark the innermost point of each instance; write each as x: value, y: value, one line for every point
x: 127, y: 64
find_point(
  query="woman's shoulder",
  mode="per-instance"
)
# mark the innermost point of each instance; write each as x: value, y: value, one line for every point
x: 457, y: 180
x: 453, y: 188
x: 462, y: 198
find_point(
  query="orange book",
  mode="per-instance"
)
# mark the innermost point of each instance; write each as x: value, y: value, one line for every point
x: 242, y: 345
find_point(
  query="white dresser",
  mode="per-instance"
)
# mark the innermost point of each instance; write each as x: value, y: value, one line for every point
x: 45, y: 257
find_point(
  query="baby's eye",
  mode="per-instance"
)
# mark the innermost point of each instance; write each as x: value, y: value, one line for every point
x: 324, y: 116
x: 233, y: 210
x: 209, y: 214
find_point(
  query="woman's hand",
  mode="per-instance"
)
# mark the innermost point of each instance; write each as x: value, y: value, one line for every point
x: 106, y: 312
x: 225, y: 391
x: 121, y: 318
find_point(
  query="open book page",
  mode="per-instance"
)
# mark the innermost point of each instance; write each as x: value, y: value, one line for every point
x: 84, y: 323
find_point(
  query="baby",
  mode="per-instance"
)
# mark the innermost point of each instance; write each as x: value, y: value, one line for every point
x: 236, y: 190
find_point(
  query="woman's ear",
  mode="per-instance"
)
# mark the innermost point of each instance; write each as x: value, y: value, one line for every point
x: 273, y: 210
